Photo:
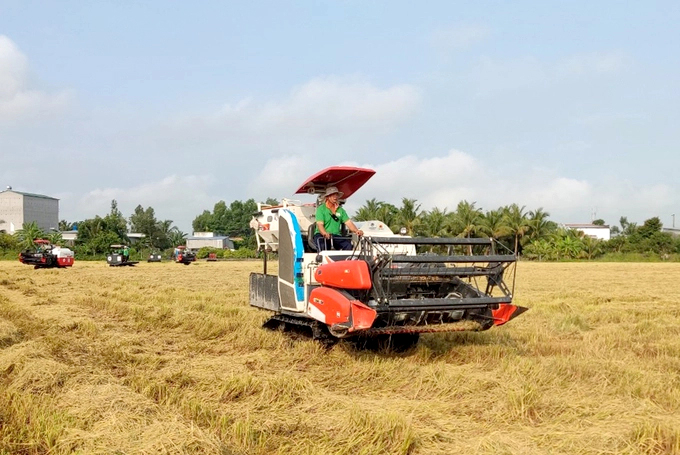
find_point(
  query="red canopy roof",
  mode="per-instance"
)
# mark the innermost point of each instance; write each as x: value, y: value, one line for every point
x: 347, y: 179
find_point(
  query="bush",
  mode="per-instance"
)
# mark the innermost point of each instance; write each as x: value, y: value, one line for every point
x: 241, y: 253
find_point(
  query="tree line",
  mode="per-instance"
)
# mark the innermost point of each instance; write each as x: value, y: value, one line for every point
x: 529, y: 233
x: 96, y: 235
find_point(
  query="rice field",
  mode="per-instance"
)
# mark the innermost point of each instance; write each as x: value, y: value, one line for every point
x: 163, y: 358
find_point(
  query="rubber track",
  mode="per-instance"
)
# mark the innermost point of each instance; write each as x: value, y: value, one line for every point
x: 320, y: 334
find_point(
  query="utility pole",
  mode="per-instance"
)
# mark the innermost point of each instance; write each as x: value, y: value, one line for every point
x: 673, y: 215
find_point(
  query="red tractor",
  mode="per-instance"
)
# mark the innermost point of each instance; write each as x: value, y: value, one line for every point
x: 44, y: 255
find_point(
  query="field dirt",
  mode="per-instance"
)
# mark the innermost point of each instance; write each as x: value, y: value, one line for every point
x: 166, y: 358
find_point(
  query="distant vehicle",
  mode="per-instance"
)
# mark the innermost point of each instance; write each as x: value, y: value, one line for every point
x: 44, y: 255
x: 155, y: 256
x: 120, y: 256
x: 184, y: 256
x: 389, y: 289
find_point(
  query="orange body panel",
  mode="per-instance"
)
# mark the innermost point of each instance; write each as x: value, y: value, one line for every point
x: 332, y: 304
x: 344, y: 275
x: 504, y: 313
x: 362, y: 316
x: 334, y: 307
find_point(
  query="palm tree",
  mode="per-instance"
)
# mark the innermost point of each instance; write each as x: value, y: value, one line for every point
x: 434, y: 223
x: 627, y: 228
x: 493, y: 223
x: 387, y: 213
x: 469, y: 218
x: 541, y: 227
x: 408, y: 215
x: 55, y: 238
x: 28, y: 233
x: 177, y: 237
x: 66, y: 226
x: 369, y: 211
x: 518, y: 223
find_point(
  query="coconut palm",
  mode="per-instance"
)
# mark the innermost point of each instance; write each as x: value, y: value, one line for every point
x: 541, y: 227
x: 493, y: 224
x: 434, y: 223
x: 177, y: 237
x: 408, y: 216
x: 469, y: 218
x: 518, y: 223
x: 369, y: 211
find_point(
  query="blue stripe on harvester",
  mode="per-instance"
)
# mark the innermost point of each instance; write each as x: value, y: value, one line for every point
x: 298, y: 251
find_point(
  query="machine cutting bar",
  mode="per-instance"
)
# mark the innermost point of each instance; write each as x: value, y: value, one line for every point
x: 432, y: 259
x: 431, y: 241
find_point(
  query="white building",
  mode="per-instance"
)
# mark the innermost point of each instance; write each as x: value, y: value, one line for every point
x: 592, y: 230
x: 210, y: 240
x: 17, y: 208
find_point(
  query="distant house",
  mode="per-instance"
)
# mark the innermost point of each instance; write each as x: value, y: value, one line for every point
x: 69, y: 237
x: 135, y: 237
x: 592, y: 230
x: 17, y: 208
x: 209, y: 239
x: 672, y: 231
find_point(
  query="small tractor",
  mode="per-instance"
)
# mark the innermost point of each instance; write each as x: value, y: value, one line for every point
x: 386, y: 291
x: 119, y: 256
x: 183, y: 255
x: 44, y: 255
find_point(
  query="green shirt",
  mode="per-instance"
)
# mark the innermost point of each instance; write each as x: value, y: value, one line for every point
x: 323, y: 213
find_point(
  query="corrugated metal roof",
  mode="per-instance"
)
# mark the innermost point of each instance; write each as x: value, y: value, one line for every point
x: 29, y: 194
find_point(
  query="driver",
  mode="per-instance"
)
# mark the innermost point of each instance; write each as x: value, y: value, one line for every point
x: 329, y: 220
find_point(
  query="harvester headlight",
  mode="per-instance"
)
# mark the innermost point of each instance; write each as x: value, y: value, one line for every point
x: 403, y: 231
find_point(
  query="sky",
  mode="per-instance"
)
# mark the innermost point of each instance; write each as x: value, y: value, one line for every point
x: 569, y: 106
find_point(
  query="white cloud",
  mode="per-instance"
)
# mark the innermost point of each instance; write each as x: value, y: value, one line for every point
x: 320, y: 109
x: 17, y: 99
x: 460, y: 36
x: 179, y: 198
x: 593, y: 63
x: 443, y: 181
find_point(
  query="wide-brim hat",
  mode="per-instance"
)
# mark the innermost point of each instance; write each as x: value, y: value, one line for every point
x: 332, y: 190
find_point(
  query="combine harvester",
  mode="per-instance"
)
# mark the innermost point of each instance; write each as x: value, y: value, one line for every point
x: 388, y: 289
x: 44, y: 255
x: 183, y: 255
x: 119, y: 256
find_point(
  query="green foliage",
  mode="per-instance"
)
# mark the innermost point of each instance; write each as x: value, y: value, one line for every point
x: 28, y: 233
x: 241, y: 253
x: 157, y: 234
x: 177, y: 237
x: 95, y: 235
x: 650, y: 227
x: 233, y: 220
x: 66, y: 226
